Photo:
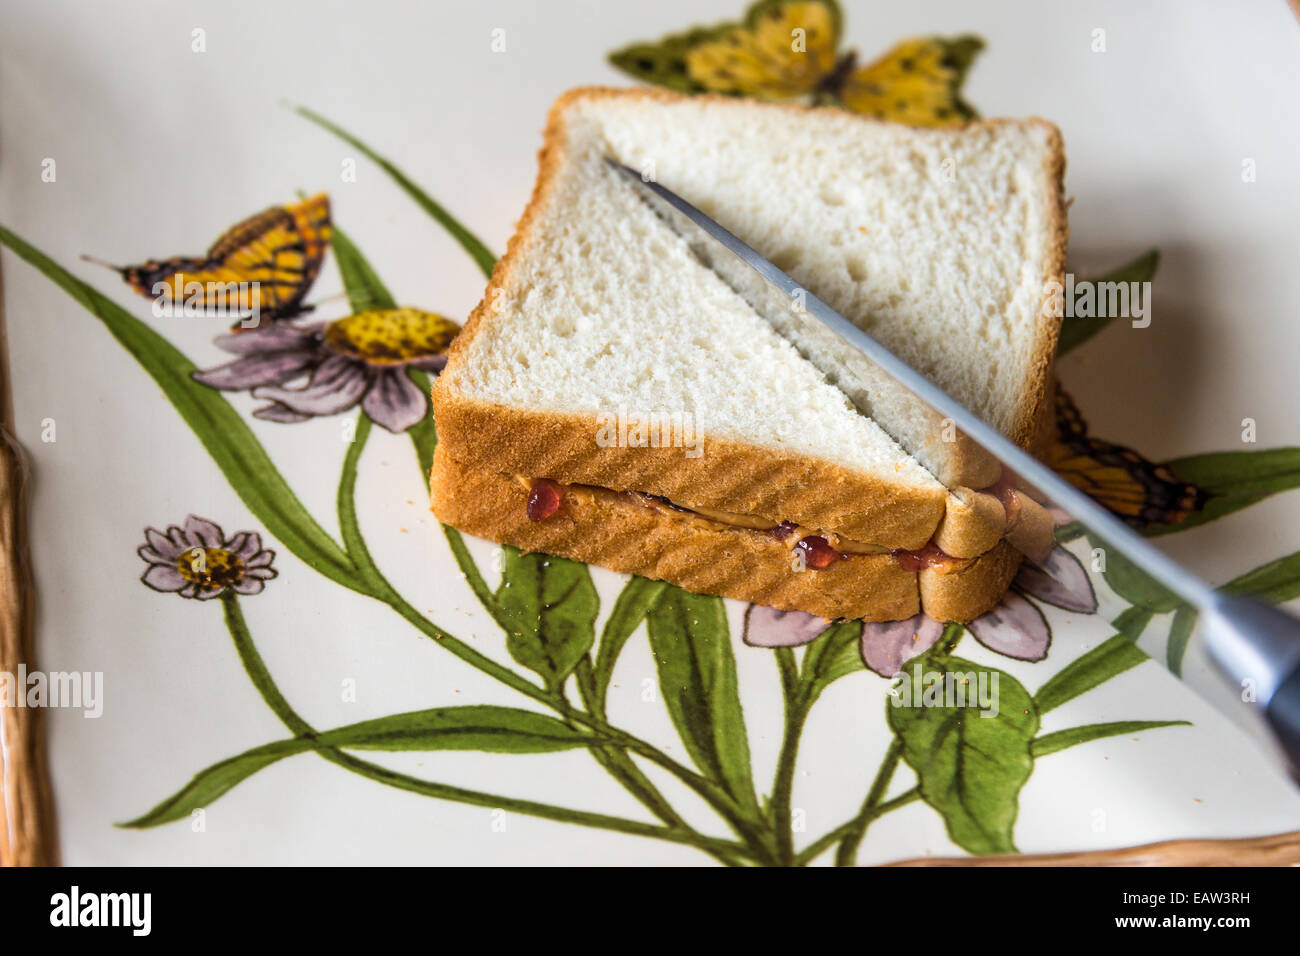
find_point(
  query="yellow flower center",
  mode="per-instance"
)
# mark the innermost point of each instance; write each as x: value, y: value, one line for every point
x: 391, y: 336
x: 210, y: 567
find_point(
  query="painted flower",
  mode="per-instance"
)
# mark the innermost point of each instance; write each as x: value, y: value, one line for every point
x: 198, y: 561
x: 1014, y: 628
x: 327, y: 368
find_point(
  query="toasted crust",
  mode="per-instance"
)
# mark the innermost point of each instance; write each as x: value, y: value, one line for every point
x: 727, y: 475
x: 972, y: 525
x: 967, y: 593
x: 616, y: 532
x: 1036, y: 405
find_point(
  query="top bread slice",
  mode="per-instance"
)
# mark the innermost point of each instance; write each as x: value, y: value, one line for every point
x: 941, y: 243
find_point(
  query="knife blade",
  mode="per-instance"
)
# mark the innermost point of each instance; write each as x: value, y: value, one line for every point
x: 1247, y: 655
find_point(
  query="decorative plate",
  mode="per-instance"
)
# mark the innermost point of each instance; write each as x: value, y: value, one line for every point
x: 280, y: 657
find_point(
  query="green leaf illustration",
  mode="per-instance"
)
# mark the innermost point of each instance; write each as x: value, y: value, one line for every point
x: 216, y: 424
x: 1132, y: 583
x: 970, y: 768
x: 548, y: 608
x: 1108, y: 659
x: 210, y: 784
x: 1275, y: 582
x: 630, y: 609
x: 485, y: 728
x: 1061, y: 739
x: 697, y: 676
x: 1076, y: 331
x: 836, y: 653
x: 1180, y: 632
x: 479, y: 727
x: 1236, y: 479
x: 360, y: 281
x: 1132, y: 622
x: 466, y: 239
x: 1263, y: 471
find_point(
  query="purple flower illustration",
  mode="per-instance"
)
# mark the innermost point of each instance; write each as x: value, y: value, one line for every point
x: 888, y: 646
x: 197, y: 561
x: 769, y: 627
x: 327, y: 368
x: 1058, y: 579
x: 1014, y: 628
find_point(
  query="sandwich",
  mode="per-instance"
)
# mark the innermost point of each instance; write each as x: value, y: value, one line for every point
x: 612, y: 400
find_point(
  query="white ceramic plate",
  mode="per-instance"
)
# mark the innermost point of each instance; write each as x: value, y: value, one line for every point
x: 157, y: 147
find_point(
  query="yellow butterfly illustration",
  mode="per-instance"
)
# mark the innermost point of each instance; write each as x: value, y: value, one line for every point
x: 265, y: 264
x: 1141, y: 492
x: 788, y: 50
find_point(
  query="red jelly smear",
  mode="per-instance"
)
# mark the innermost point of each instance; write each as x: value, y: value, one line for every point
x: 783, y: 530
x: 1004, y: 489
x: 927, y: 557
x: 817, y: 552
x: 544, y: 499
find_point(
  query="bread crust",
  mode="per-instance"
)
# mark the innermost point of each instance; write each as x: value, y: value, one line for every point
x: 1036, y: 405
x: 727, y: 475
x: 973, y: 524
x: 617, y: 533
x: 965, y: 594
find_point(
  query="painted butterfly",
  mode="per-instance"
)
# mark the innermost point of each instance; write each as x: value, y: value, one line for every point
x: 1141, y: 492
x: 788, y: 49
x: 265, y: 263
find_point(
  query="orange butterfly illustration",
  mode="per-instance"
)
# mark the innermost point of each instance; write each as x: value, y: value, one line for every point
x: 263, y: 265
x: 1141, y: 492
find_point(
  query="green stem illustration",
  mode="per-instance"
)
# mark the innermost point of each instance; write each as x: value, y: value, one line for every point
x: 797, y: 705
x: 261, y: 679
x: 480, y: 253
x: 847, y: 853
x: 621, y: 767
x: 825, y: 842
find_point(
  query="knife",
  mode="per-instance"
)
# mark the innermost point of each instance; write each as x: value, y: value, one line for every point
x: 1245, y: 656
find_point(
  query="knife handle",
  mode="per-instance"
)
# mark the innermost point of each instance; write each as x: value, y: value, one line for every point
x: 1258, y: 646
x: 1283, y: 715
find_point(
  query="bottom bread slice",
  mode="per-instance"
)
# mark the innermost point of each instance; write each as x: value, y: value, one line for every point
x: 615, y: 532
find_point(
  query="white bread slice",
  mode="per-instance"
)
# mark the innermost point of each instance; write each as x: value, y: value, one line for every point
x: 940, y: 243
x: 598, y: 306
